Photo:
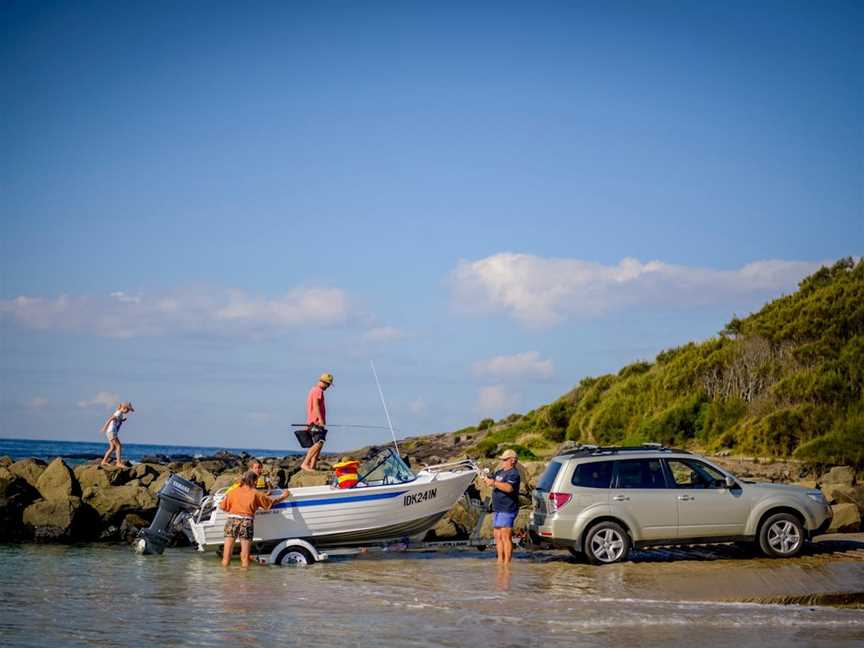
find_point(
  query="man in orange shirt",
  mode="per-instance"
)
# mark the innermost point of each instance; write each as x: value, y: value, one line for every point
x: 241, y: 503
x: 316, y: 419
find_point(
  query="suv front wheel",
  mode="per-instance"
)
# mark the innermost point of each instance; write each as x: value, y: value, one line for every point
x: 606, y: 543
x: 781, y: 536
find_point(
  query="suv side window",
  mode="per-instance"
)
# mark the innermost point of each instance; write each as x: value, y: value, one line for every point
x: 597, y: 474
x: 639, y: 473
x: 689, y: 473
x: 548, y: 477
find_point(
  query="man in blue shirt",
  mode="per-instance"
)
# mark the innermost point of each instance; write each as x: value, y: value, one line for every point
x: 505, y: 504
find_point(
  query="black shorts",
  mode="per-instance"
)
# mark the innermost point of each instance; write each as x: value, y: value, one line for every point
x: 318, y: 434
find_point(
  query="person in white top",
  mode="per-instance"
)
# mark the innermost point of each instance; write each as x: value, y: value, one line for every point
x: 111, y: 429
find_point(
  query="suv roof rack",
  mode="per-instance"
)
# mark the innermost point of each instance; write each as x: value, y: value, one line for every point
x: 587, y: 450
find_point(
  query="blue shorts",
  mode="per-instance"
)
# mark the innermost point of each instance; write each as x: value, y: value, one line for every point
x: 503, y: 520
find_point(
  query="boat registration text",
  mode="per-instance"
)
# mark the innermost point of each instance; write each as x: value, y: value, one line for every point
x: 416, y: 498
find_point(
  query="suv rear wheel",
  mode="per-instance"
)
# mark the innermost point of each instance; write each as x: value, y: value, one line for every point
x: 606, y: 543
x: 781, y: 536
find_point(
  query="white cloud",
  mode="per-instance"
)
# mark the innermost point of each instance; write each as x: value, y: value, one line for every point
x: 542, y: 292
x: 515, y: 367
x: 119, y: 315
x: 126, y: 299
x: 384, y: 334
x: 495, y: 401
x: 418, y: 406
x: 103, y: 399
x: 37, y: 403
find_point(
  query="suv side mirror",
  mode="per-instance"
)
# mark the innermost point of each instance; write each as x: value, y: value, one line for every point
x: 730, y: 483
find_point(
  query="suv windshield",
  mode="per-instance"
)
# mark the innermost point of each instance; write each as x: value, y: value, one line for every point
x: 385, y: 467
x: 548, y: 477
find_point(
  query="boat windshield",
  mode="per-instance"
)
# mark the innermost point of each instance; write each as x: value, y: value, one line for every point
x: 385, y: 467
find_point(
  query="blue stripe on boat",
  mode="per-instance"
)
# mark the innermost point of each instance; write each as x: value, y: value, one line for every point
x: 339, y: 500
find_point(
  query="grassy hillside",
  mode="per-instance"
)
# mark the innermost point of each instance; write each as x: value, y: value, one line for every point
x: 784, y: 381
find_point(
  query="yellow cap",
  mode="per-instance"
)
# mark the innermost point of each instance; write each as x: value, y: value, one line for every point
x: 326, y: 378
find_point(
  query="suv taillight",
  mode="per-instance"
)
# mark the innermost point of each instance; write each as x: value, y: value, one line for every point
x: 558, y: 500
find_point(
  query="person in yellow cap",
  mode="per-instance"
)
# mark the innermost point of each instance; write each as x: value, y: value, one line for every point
x: 316, y: 419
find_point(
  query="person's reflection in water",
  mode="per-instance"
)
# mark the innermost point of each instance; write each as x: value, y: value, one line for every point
x: 502, y: 578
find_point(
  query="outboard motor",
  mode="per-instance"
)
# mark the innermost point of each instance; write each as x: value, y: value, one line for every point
x: 178, y: 499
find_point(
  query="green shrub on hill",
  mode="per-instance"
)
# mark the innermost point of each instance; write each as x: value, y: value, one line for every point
x: 786, y: 380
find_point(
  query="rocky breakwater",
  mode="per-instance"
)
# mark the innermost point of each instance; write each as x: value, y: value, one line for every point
x: 52, y: 502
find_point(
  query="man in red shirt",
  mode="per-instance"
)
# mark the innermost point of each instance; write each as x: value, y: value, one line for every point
x: 316, y: 419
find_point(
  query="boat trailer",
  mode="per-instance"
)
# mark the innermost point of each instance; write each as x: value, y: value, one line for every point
x: 297, y: 551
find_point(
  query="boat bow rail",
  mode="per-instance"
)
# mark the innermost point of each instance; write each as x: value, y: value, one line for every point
x: 463, y: 465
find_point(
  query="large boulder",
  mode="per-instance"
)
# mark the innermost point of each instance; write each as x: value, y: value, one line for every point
x: 216, y: 466
x: 840, y: 494
x: 200, y: 476
x: 159, y: 482
x: 6, y: 461
x: 530, y: 473
x: 92, y: 476
x: 847, y: 519
x: 57, y: 482
x: 97, y: 476
x: 55, y: 520
x: 144, y: 474
x: 839, y: 475
x: 303, y: 478
x: 226, y: 479
x: 28, y: 469
x: 111, y: 504
x: 444, y: 530
x: 15, y: 496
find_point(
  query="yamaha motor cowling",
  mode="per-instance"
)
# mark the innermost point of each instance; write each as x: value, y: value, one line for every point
x: 178, y: 499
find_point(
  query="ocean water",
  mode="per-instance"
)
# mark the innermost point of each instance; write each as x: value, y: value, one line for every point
x: 106, y: 595
x: 79, y: 451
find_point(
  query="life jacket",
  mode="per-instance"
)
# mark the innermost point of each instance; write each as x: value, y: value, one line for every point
x: 346, y: 473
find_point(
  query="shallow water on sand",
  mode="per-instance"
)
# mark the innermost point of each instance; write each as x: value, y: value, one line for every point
x: 108, y: 596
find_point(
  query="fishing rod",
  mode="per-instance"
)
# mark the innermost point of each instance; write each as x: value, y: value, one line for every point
x: 366, y: 427
x: 386, y: 411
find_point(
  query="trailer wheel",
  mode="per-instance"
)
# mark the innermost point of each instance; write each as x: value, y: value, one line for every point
x: 295, y: 556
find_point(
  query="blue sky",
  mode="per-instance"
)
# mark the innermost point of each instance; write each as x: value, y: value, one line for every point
x: 206, y: 205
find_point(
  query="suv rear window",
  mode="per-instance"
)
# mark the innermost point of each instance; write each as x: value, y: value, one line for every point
x: 640, y: 473
x: 597, y: 474
x: 548, y: 477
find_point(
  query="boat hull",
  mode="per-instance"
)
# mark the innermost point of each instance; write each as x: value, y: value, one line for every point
x: 328, y: 516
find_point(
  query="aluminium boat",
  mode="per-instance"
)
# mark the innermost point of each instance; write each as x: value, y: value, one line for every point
x: 389, y: 502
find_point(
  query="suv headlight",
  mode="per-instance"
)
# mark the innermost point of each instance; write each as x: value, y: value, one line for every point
x: 817, y: 497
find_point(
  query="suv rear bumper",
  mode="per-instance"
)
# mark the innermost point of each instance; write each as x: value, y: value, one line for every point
x: 543, y: 535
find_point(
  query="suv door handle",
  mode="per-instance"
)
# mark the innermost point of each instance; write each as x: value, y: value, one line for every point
x: 620, y: 498
x: 685, y: 498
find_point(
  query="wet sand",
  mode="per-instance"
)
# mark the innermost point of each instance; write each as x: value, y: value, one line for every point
x: 829, y: 572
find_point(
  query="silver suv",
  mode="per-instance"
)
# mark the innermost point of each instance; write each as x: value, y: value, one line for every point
x: 603, y: 501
